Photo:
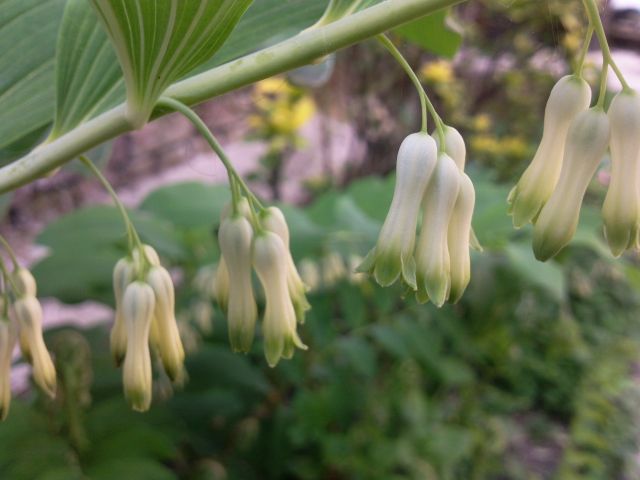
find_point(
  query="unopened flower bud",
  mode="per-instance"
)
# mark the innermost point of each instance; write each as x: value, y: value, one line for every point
x: 621, y: 210
x: 150, y: 255
x: 458, y: 238
x: 432, y: 251
x: 393, y: 254
x: 122, y: 276
x: 274, y: 221
x: 570, y: 96
x: 586, y: 144
x: 28, y: 314
x: 279, y: 324
x: 7, y: 341
x: 235, y: 237
x: 137, y: 309
x: 168, y: 340
x: 24, y: 282
x: 453, y: 145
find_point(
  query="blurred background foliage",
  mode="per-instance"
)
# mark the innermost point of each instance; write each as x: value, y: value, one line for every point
x: 533, y: 375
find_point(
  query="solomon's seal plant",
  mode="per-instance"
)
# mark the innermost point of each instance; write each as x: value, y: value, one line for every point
x: 426, y: 237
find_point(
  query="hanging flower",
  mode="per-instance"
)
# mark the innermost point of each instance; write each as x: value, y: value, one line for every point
x: 137, y: 310
x: 432, y: 251
x: 569, y: 97
x: 393, y: 254
x: 273, y: 220
x: 169, y: 344
x: 458, y: 238
x: 279, y: 323
x: 235, y: 245
x: 621, y: 210
x: 587, y: 142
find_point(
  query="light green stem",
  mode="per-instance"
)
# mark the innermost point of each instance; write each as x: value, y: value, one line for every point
x: 213, y: 143
x: 292, y: 53
x: 424, y: 98
x: 134, y: 239
x: 8, y: 279
x: 388, y: 44
x: 603, y: 84
x: 10, y: 251
x: 596, y: 22
x: 585, y: 50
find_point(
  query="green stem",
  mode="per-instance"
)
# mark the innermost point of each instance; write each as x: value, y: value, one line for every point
x: 292, y: 53
x: 197, y: 122
x: 424, y: 98
x: 393, y: 50
x: 8, y: 279
x: 585, y: 50
x: 603, y: 84
x: 596, y: 22
x: 10, y: 251
x: 132, y: 234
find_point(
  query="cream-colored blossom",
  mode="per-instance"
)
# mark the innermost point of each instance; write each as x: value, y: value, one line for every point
x: 273, y: 220
x: 458, y: 237
x: 28, y: 314
x: 138, y: 306
x: 432, y: 251
x: 7, y: 341
x: 169, y: 344
x: 123, y: 274
x: 393, y: 254
x: 279, y: 323
x: 235, y: 237
x: 569, y: 97
x: 621, y: 209
x: 587, y: 142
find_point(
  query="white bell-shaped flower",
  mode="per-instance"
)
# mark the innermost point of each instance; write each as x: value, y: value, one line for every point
x: 122, y: 276
x: 432, y: 251
x: 274, y: 221
x: 586, y: 144
x: 7, y: 341
x: 235, y: 237
x: 569, y: 97
x: 138, y: 306
x: 393, y: 254
x: 279, y: 324
x: 28, y: 314
x: 621, y: 209
x: 458, y: 237
x: 169, y: 344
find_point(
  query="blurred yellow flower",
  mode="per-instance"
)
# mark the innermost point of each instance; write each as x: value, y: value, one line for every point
x: 439, y: 71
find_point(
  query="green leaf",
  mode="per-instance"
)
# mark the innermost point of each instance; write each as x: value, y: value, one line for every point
x: 432, y: 33
x: 188, y: 204
x: 548, y: 276
x: 138, y: 468
x: 88, y: 78
x: 157, y: 42
x: 28, y: 30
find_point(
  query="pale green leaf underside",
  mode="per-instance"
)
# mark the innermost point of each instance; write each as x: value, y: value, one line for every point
x: 88, y: 77
x: 28, y: 31
x: 159, y: 41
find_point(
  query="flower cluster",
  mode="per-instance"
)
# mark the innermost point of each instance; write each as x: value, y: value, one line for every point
x: 574, y: 141
x: 259, y: 241
x: 21, y: 320
x: 145, y: 318
x: 429, y: 176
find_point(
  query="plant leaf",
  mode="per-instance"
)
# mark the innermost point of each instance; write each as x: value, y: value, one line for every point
x: 159, y: 41
x: 28, y: 30
x: 88, y: 78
